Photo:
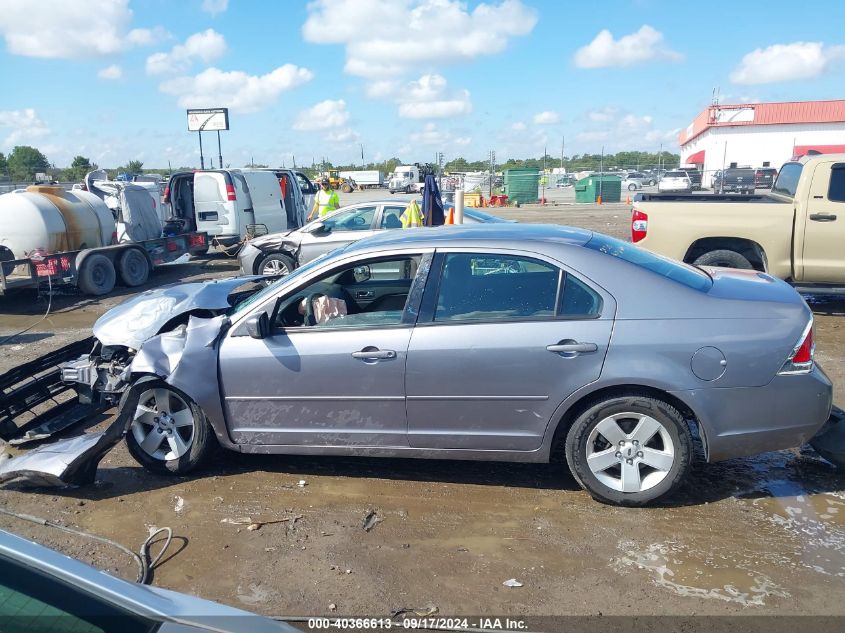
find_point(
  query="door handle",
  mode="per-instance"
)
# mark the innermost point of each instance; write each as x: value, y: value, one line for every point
x: 573, y: 348
x: 365, y: 294
x: 822, y: 217
x: 374, y: 354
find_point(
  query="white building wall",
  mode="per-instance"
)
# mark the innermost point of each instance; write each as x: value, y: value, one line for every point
x: 752, y: 145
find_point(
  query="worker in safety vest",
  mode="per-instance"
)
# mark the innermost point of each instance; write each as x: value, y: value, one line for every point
x: 325, y: 201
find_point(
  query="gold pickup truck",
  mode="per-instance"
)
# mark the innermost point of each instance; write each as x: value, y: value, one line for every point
x: 796, y: 232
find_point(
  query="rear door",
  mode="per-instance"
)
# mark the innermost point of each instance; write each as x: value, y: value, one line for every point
x: 216, y: 214
x: 268, y: 207
x: 342, y: 227
x: 503, y: 337
x: 391, y: 216
x: 824, y: 229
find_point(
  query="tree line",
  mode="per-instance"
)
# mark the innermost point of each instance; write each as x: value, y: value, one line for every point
x: 24, y: 163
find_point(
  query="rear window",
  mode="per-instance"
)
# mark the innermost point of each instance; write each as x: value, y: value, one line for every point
x: 676, y: 174
x: 676, y: 271
x: 209, y: 188
x: 787, y: 180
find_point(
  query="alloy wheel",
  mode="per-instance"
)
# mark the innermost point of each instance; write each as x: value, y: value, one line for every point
x: 630, y: 452
x: 274, y: 267
x: 163, y: 425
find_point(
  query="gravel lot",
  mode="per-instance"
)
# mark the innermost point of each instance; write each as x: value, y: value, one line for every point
x: 764, y: 535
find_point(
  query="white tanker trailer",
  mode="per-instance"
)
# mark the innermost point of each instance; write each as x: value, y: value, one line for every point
x: 69, y: 237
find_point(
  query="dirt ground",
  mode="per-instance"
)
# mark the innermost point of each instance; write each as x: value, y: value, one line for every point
x: 763, y: 535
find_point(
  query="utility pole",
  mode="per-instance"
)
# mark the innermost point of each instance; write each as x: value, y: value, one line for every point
x: 543, y: 177
x: 562, y: 143
x: 362, y: 155
x: 492, y: 172
x: 601, y: 171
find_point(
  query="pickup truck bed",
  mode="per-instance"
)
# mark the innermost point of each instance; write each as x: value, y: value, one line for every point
x: 705, y: 198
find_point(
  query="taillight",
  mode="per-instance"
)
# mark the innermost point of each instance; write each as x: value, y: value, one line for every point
x: 801, y: 359
x: 230, y: 193
x: 639, y: 225
x: 167, y: 194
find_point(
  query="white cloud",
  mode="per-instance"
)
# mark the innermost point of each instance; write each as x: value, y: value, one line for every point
x: 382, y: 89
x: 66, y: 30
x: 636, y: 48
x: 519, y: 126
x: 342, y: 136
x: 110, y: 72
x: 786, y: 62
x: 25, y: 125
x: 620, y: 130
x: 546, y: 118
x: 390, y: 37
x: 206, y: 46
x: 322, y: 116
x: 432, y: 135
x: 427, y: 98
x: 235, y: 89
x: 213, y: 7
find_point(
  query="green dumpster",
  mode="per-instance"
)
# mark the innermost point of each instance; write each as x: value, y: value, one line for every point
x: 590, y: 188
x: 521, y: 185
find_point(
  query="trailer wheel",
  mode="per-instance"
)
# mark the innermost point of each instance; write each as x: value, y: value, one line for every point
x: 133, y: 267
x: 96, y: 275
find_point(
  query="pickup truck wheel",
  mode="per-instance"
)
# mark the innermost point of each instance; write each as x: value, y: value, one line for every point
x: 96, y: 275
x: 133, y: 267
x: 724, y: 259
x: 169, y: 433
x: 629, y: 450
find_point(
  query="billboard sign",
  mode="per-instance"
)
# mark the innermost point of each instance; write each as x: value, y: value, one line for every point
x: 208, y: 119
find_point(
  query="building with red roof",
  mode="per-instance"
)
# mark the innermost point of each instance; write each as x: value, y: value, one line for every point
x: 761, y: 134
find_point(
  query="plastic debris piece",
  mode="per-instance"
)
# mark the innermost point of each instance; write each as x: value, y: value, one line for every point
x: 513, y: 582
x: 370, y: 520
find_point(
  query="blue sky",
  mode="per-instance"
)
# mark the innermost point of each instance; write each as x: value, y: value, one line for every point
x: 110, y: 79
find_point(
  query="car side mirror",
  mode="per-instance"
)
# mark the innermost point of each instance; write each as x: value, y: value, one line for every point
x: 258, y: 325
x: 362, y: 273
x: 318, y: 228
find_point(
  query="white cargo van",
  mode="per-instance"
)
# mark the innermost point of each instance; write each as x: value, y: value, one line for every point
x: 228, y: 204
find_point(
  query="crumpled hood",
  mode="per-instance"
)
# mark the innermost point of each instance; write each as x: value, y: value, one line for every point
x: 141, y: 317
x: 273, y: 239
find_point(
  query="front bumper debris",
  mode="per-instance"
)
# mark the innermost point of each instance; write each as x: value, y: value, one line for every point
x: 829, y: 442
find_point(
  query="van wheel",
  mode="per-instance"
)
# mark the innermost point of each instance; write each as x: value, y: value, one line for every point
x: 629, y: 450
x: 96, y: 275
x: 133, y: 267
x: 725, y: 259
x: 169, y: 434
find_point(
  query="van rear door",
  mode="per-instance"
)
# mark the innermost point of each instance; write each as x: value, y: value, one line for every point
x: 267, y: 204
x: 215, y: 200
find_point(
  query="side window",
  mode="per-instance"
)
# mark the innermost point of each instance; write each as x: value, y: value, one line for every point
x: 836, y: 191
x: 496, y: 287
x: 364, y: 294
x: 357, y: 219
x: 578, y: 300
x: 304, y: 184
x: 391, y: 217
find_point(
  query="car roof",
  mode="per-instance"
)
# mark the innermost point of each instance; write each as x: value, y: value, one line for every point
x: 475, y: 235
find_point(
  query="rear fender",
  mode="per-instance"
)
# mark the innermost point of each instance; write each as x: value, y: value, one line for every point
x: 187, y: 359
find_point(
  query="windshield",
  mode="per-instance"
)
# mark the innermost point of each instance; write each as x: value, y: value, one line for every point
x: 676, y: 174
x: 676, y: 271
x: 787, y: 180
x: 261, y: 295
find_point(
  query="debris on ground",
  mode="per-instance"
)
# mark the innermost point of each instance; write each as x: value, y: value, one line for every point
x: 429, y: 609
x: 513, y: 582
x: 370, y: 520
x: 254, y: 524
x: 180, y: 504
x: 332, y: 607
x: 302, y: 483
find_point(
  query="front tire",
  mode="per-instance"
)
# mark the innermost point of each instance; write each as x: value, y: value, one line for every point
x: 629, y: 450
x: 724, y: 258
x: 169, y: 434
x: 276, y: 264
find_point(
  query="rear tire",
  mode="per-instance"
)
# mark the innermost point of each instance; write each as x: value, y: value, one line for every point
x: 629, y: 450
x: 159, y: 414
x: 276, y: 264
x: 133, y: 267
x: 96, y: 275
x: 632, y: 187
x: 725, y: 259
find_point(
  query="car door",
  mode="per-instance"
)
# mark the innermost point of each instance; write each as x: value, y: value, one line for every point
x: 337, y: 229
x: 502, y: 339
x: 309, y: 190
x: 268, y: 207
x: 824, y: 228
x: 324, y: 378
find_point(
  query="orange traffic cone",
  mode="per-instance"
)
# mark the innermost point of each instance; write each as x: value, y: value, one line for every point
x: 598, y: 199
x: 450, y: 217
x: 628, y: 200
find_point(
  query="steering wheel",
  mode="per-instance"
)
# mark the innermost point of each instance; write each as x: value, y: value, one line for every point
x: 309, y: 318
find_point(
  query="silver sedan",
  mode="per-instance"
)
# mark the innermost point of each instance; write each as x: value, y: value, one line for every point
x: 500, y: 342
x: 280, y: 253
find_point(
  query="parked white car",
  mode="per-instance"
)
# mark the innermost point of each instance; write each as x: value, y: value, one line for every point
x: 632, y: 184
x: 675, y: 181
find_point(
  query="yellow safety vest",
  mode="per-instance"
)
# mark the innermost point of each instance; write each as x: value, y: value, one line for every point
x: 327, y: 201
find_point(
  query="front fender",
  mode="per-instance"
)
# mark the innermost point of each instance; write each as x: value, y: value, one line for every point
x: 187, y: 359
